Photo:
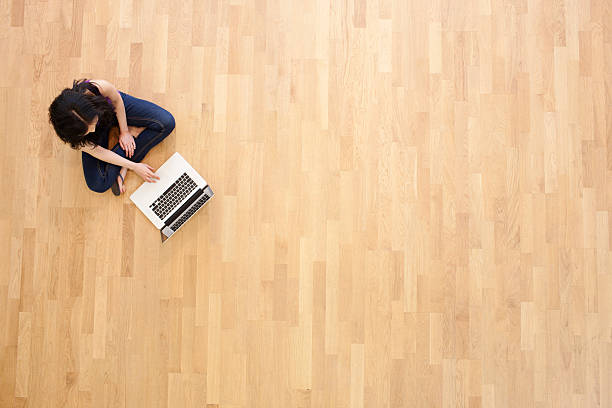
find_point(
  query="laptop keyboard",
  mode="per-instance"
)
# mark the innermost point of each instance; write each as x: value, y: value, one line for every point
x: 173, y: 196
x: 190, y: 212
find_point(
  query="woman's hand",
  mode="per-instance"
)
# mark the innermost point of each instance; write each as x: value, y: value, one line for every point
x: 127, y: 143
x: 145, y: 171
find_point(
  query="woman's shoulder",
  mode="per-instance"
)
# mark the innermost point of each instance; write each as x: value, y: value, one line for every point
x: 101, y: 84
x: 103, y: 87
x: 86, y: 86
x: 94, y: 84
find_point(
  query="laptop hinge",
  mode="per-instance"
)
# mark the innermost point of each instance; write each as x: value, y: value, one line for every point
x: 166, y: 231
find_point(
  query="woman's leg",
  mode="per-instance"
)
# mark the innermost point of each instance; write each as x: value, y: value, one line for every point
x: 158, y: 124
x: 157, y: 121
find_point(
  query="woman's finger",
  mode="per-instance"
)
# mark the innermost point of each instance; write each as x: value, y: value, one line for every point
x: 153, y: 175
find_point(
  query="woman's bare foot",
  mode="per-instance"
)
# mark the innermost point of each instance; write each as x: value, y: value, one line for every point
x: 123, y: 172
x: 135, y: 131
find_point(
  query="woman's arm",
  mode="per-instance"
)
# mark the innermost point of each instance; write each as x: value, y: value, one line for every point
x: 126, y: 140
x: 143, y: 170
x: 109, y: 156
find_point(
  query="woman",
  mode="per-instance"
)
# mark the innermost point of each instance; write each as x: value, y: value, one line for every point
x: 83, y: 115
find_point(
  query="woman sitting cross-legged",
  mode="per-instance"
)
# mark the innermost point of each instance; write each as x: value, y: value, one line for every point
x: 83, y: 115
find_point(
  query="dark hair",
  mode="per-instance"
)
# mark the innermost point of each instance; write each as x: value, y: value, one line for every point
x: 70, y: 106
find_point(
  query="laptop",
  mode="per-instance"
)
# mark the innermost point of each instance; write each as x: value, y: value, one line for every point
x: 173, y: 199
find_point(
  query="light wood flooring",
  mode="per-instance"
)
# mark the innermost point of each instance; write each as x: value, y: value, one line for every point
x: 412, y: 206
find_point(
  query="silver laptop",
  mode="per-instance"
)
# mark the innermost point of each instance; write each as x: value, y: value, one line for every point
x: 173, y: 199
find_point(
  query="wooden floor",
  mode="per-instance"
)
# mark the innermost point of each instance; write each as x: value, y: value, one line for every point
x: 412, y: 206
